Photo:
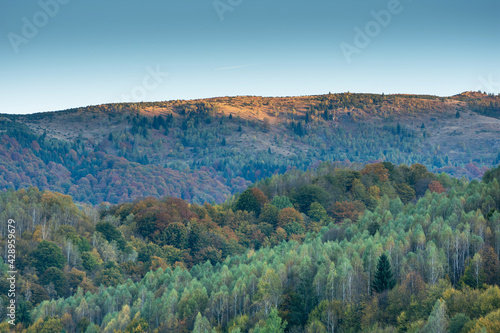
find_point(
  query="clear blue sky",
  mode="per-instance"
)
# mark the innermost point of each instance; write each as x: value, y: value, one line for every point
x: 93, y: 51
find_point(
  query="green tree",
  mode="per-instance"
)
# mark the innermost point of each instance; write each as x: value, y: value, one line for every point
x: 176, y: 234
x: 273, y: 324
x: 281, y: 202
x: 23, y: 312
x: 110, y: 275
x: 474, y: 275
x: 89, y: 262
x: 201, y: 324
x: 82, y: 324
x: 308, y: 194
x: 458, y: 322
x: 47, y: 254
x: 438, y: 320
x: 317, y: 212
x: 269, y: 214
x: 270, y: 290
x: 383, y: 279
x: 58, y: 279
x: 247, y: 201
x: 111, y: 233
x: 373, y: 228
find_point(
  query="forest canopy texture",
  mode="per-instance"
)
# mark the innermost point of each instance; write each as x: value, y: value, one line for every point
x: 380, y: 248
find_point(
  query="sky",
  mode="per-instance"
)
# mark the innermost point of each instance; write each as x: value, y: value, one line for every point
x: 60, y: 54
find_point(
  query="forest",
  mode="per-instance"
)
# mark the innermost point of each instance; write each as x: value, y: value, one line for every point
x: 380, y: 247
x: 208, y: 150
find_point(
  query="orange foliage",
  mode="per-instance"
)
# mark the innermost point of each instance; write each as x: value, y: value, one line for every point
x: 435, y: 186
x: 87, y: 286
x: 378, y: 170
x: 260, y: 196
x: 346, y: 210
x: 157, y: 262
x: 162, y: 213
x: 289, y: 215
x: 229, y: 233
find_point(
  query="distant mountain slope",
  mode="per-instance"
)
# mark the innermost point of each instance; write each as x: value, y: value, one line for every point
x: 205, y: 150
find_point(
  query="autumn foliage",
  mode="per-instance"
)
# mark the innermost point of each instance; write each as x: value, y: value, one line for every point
x: 346, y: 210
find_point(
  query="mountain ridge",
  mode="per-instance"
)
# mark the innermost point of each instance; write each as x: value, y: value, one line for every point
x: 179, y: 147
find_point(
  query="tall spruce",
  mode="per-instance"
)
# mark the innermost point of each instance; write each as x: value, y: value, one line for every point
x: 383, y: 280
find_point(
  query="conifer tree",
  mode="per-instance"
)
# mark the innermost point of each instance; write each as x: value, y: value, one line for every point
x: 384, y: 279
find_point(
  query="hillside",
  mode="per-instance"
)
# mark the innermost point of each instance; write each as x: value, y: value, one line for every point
x: 206, y: 150
x: 304, y: 251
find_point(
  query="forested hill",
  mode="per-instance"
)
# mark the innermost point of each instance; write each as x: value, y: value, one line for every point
x: 207, y: 150
x: 384, y: 249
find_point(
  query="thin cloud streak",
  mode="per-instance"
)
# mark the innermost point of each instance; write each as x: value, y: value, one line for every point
x: 231, y: 67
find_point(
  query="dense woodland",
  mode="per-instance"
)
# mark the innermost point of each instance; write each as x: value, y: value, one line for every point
x: 197, y: 151
x: 382, y: 248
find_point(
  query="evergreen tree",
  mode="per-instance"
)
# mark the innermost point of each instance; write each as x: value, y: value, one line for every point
x: 384, y: 279
x: 23, y: 312
x: 373, y: 228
